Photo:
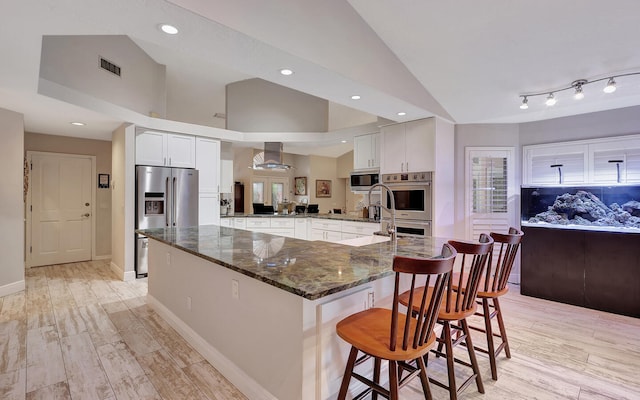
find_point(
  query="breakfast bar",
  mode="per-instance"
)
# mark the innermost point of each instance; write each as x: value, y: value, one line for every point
x: 262, y: 308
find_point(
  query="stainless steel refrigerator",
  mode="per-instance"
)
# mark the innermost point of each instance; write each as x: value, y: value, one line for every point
x: 165, y: 197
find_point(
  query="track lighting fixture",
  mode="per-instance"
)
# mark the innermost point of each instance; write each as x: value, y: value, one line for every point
x: 611, y: 86
x: 579, y: 94
x: 551, y: 100
x: 577, y: 86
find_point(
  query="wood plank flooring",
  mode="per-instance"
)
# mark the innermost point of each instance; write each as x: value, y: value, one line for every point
x: 77, y: 332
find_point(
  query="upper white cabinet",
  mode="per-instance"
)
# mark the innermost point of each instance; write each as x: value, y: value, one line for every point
x: 555, y: 164
x: 165, y: 149
x: 408, y: 147
x: 226, y: 176
x: 615, y: 161
x: 366, y: 151
x: 595, y: 161
x: 208, y: 164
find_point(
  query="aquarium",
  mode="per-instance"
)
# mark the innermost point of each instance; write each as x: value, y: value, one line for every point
x: 611, y: 208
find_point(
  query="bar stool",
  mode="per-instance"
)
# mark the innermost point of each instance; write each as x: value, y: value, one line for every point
x: 492, y: 286
x: 456, y: 307
x: 399, y: 337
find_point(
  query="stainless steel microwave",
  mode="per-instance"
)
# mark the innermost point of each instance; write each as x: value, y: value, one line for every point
x: 363, y: 180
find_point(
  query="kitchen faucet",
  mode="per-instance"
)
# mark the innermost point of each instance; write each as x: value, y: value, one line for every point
x: 391, y: 229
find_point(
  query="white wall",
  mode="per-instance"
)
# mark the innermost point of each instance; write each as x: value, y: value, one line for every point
x: 122, y: 200
x: 74, y: 62
x: 255, y: 105
x: 623, y: 121
x: 12, y: 210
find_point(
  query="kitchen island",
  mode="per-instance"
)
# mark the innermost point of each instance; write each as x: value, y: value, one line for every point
x: 263, y: 308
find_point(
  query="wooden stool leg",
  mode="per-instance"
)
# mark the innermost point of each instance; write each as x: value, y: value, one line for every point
x: 448, y: 344
x: 472, y: 355
x: 503, y: 331
x: 344, y: 387
x: 489, y: 332
x: 376, y: 376
x: 424, y: 379
x: 393, y: 380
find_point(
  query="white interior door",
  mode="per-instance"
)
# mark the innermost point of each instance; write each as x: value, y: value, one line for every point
x: 61, y: 196
x: 490, y: 190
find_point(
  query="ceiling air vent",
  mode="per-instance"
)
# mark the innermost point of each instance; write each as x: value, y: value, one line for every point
x: 109, y: 66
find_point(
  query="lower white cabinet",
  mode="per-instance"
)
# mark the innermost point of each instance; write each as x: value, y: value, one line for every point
x: 208, y: 209
x: 325, y: 229
x: 301, y: 228
x: 228, y: 222
x: 240, y: 222
x: 353, y: 229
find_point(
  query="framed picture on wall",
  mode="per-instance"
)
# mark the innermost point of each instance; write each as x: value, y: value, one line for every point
x: 300, y: 185
x: 323, y: 188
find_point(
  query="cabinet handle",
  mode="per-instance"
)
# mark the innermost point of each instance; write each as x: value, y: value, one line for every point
x: 407, y: 166
x: 169, y: 161
x: 164, y: 161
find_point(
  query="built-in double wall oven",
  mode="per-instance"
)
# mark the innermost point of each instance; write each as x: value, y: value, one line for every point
x: 412, y: 196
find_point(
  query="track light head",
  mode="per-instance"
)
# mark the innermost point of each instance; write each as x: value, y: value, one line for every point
x: 524, y: 104
x: 578, y: 95
x: 551, y: 100
x: 611, y: 86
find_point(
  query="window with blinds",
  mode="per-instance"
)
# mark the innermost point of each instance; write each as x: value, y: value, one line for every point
x: 489, y: 184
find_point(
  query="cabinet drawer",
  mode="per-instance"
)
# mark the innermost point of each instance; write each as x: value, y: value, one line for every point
x: 360, y: 228
x: 284, y: 222
x: 258, y: 223
x: 326, y: 224
x: 240, y: 223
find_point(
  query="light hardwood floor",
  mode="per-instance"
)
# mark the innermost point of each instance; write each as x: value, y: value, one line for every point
x: 77, y: 332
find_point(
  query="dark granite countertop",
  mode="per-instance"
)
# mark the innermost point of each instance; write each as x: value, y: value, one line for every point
x: 340, y: 217
x: 305, y: 268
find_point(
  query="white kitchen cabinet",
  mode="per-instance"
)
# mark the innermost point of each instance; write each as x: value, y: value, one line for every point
x: 226, y: 176
x: 283, y: 226
x: 408, y: 147
x: 209, y: 209
x: 301, y: 230
x: 240, y: 222
x: 615, y: 161
x: 366, y: 151
x: 327, y: 230
x: 354, y: 229
x: 208, y: 165
x: 258, y: 224
x: 165, y: 149
x: 555, y: 164
x: 227, y: 222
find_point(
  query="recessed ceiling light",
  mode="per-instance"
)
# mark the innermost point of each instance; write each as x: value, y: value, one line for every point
x: 286, y: 71
x: 168, y: 29
x: 78, y: 123
x: 355, y: 97
x: 343, y: 141
x: 402, y: 113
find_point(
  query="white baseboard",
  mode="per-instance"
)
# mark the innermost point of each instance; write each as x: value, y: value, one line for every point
x: 102, y: 257
x: 235, y: 375
x: 129, y: 276
x: 117, y: 270
x: 12, y: 288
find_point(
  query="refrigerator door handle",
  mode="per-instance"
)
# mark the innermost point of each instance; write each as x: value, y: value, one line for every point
x: 174, y: 202
x: 166, y: 196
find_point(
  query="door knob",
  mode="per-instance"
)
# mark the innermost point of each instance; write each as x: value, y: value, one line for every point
x: 86, y: 215
x: 86, y: 204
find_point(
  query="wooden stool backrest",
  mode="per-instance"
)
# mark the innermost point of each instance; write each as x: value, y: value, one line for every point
x: 475, y: 256
x: 498, y: 272
x: 437, y: 271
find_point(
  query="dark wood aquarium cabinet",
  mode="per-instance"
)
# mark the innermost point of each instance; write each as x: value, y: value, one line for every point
x: 582, y: 246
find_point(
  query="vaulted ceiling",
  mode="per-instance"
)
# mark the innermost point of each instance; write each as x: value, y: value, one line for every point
x: 466, y: 61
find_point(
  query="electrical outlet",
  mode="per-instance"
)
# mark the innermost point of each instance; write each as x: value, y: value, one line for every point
x: 189, y: 303
x: 235, y: 291
x: 371, y: 299
x: 168, y: 258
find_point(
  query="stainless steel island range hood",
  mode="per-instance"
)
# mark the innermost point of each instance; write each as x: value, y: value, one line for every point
x: 272, y: 157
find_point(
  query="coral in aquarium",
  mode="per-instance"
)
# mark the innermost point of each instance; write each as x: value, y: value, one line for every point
x: 585, y: 208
